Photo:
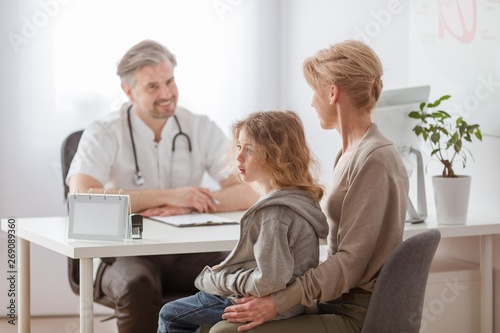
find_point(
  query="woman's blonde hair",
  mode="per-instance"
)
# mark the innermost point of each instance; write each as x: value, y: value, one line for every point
x: 282, y: 148
x: 352, y: 66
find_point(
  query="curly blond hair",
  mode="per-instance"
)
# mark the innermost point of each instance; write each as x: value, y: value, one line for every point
x: 283, y: 150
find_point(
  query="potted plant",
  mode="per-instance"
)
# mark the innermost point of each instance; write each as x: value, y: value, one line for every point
x: 446, y: 136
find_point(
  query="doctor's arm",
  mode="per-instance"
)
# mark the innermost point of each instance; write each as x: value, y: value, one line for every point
x: 234, y: 195
x: 174, y: 201
x: 231, y: 197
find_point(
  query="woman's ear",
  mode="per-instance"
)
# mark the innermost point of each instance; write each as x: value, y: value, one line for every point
x: 334, y: 94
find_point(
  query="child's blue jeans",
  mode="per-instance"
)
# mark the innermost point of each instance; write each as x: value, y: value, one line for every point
x: 186, y: 315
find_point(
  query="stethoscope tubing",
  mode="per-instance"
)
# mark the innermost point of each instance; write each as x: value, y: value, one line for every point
x: 138, y: 177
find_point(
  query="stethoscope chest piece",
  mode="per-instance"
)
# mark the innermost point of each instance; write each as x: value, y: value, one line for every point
x: 139, y: 179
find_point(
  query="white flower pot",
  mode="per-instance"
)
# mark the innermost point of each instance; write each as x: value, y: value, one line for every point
x: 451, y: 196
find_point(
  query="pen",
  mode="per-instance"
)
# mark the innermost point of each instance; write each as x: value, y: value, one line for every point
x: 215, y: 201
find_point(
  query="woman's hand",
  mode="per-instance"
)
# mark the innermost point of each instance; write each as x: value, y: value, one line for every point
x: 251, y: 310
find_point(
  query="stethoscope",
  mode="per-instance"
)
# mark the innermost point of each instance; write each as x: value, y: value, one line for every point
x: 138, y: 177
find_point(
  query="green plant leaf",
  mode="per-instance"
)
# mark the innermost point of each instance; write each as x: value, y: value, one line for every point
x: 418, y: 130
x: 414, y: 115
x: 444, y: 131
x: 458, y: 146
x: 435, y: 137
x: 435, y: 151
x: 444, y: 114
x: 436, y: 114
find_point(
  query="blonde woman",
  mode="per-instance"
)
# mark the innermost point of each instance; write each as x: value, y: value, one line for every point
x: 366, y: 206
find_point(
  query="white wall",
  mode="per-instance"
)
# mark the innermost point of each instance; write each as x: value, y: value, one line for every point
x: 315, y: 24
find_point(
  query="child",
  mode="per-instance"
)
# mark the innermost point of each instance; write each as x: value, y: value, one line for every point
x: 279, y: 235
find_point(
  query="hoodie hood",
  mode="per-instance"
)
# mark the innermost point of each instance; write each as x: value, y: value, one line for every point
x: 301, y: 203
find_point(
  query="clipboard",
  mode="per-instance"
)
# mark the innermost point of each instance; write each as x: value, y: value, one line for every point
x: 98, y: 216
x: 194, y: 220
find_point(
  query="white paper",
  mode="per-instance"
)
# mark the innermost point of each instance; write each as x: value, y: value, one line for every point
x: 194, y: 219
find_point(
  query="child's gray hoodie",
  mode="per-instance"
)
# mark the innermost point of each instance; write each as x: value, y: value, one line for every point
x: 279, y: 240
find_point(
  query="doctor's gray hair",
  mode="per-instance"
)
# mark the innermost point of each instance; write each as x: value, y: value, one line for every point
x: 145, y: 53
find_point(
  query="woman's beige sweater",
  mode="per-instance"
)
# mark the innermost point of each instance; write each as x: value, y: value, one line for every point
x: 366, y: 213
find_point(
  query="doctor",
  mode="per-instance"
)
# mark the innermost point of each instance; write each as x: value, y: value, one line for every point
x: 157, y: 152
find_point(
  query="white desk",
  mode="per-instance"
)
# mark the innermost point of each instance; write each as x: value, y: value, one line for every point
x: 159, y: 238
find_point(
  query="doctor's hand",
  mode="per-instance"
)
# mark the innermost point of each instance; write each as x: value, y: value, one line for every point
x: 165, y: 211
x: 251, y: 310
x: 196, y: 198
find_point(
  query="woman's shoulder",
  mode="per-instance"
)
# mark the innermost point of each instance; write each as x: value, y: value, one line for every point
x: 376, y: 150
x: 375, y: 144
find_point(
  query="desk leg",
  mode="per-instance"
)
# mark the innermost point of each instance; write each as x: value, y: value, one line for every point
x: 86, y: 296
x: 23, y: 247
x: 486, y: 266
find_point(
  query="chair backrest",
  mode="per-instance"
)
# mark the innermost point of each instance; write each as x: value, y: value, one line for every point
x: 68, y: 151
x: 397, y: 301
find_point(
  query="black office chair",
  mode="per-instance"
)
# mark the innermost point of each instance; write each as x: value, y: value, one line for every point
x: 68, y: 150
x: 397, y: 301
